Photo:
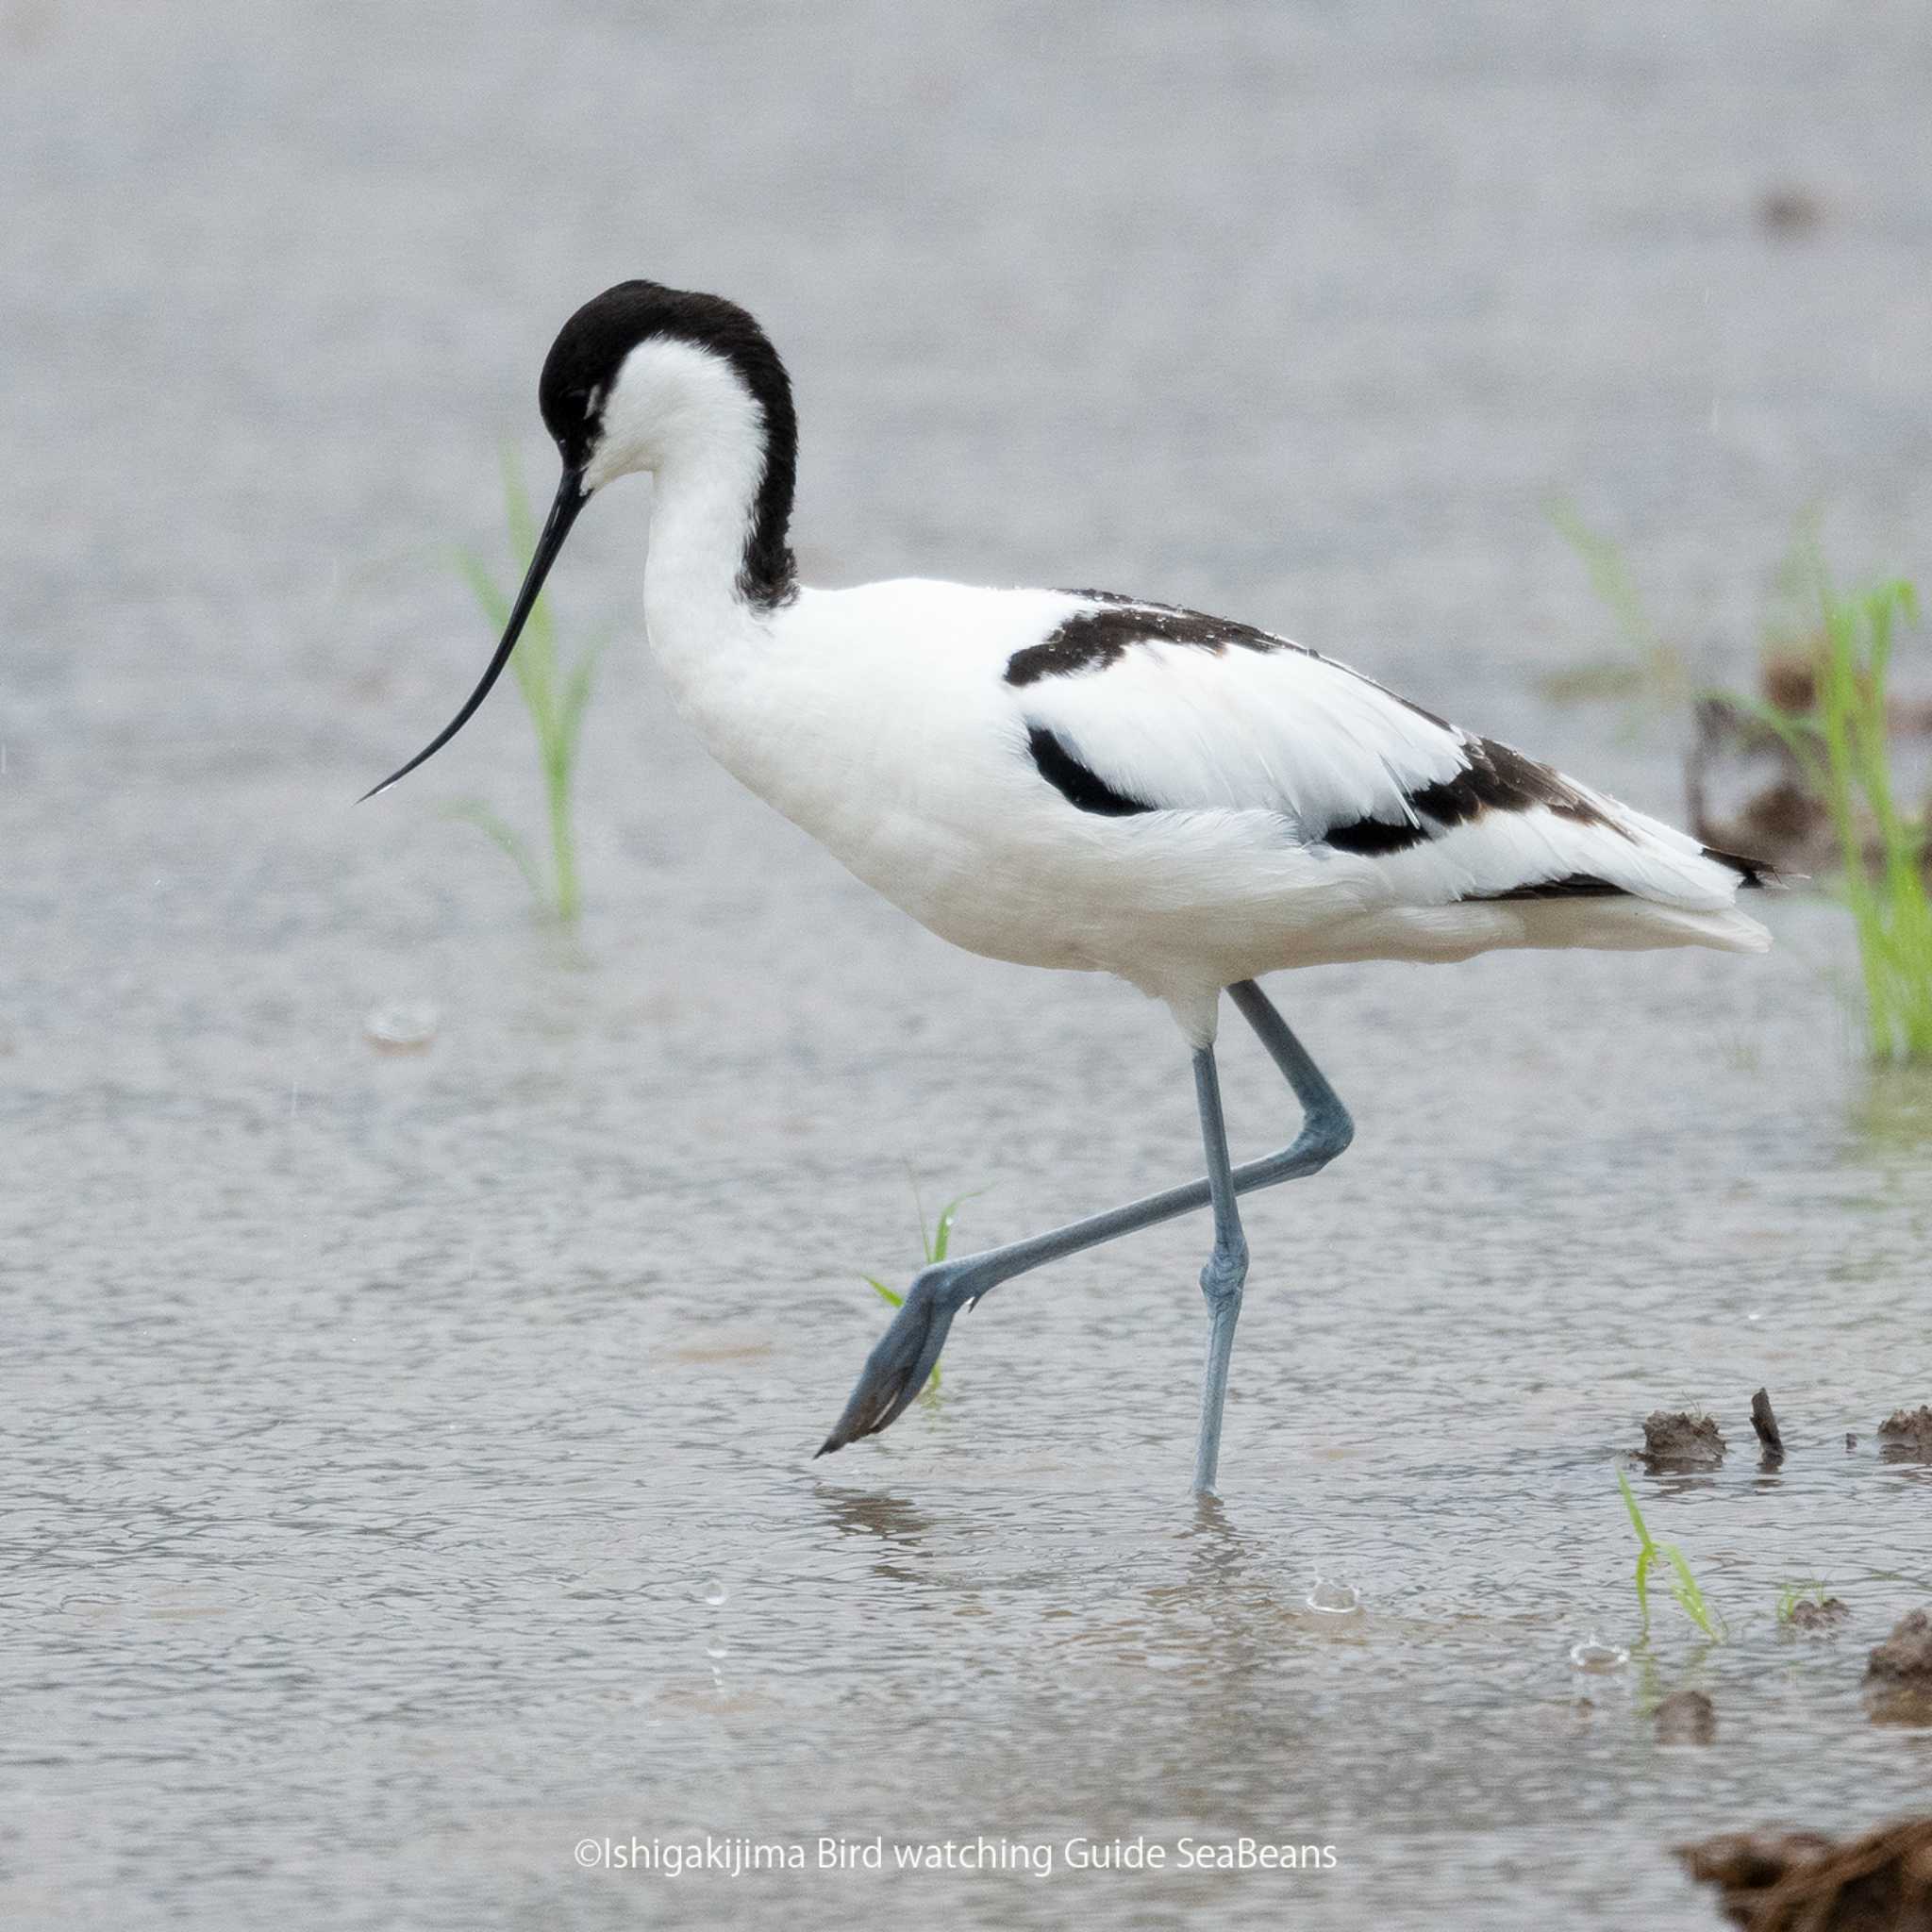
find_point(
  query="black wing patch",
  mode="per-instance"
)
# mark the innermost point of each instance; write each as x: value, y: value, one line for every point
x: 1074, y: 782
x: 1574, y: 885
x: 1091, y: 640
x: 1494, y: 778
x: 1372, y: 838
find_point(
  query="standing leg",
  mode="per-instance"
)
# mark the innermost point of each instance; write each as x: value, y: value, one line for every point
x: 1226, y: 1269
x: 897, y: 1367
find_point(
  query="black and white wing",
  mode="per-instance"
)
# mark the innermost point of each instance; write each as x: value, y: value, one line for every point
x: 1133, y: 708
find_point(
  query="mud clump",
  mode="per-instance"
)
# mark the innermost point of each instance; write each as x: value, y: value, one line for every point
x: 1781, y: 1881
x: 1686, y: 1717
x: 1898, y: 1675
x: 1905, y: 1436
x: 1906, y: 1655
x: 1815, y: 1615
x: 1676, y: 1439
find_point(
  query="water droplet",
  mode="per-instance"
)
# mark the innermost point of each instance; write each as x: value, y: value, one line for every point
x: 711, y: 1590
x: 717, y: 1648
x: 1334, y: 1597
x: 401, y: 1026
x: 1593, y: 1653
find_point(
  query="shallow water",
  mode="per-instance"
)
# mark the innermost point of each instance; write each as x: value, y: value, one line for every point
x: 407, y: 1455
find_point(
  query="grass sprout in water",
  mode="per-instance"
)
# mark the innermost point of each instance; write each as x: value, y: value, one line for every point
x: 1684, y: 1586
x: 934, y: 1244
x: 556, y: 696
x: 1842, y: 745
x: 1656, y: 671
x: 1792, y: 1594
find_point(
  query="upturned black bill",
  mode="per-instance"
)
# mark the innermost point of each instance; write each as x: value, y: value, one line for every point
x: 571, y: 498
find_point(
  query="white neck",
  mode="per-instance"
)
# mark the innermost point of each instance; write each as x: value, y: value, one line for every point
x: 700, y: 516
x: 685, y: 415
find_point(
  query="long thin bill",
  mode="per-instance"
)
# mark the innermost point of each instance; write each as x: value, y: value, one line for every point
x: 571, y: 497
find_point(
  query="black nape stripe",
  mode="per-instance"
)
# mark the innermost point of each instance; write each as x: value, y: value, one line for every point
x: 1074, y: 782
x: 591, y: 349
x: 1576, y: 885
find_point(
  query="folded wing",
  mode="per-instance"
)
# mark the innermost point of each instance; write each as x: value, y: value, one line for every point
x: 1132, y: 707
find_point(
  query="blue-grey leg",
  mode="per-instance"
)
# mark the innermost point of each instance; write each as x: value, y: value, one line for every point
x: 897, y: 1369
x: 1226, y: 1270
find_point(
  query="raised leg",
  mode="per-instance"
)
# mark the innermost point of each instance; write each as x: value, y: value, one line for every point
x: 897, y: 1369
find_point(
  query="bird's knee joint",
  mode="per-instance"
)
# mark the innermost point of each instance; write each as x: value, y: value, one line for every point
x: 1325, y: 1137
x: 1227, y: 1271
x: 1337, y: 1132
x: 949, y: 1284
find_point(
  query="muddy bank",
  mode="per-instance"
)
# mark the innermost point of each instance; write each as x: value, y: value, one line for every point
x: 1803, y: 1881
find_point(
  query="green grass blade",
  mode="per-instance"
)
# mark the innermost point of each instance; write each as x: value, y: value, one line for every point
x: 577, y: 696
x: 504, y: 836
x: 1660, y: 664
x: 1646, y: 1550
x: 491, y: 600
x: 942, y: 1233
x: 1637, y: 1522
x: 1844, y: 750
x: 1801, y: 737
x: 1691, y: 1599
x: 553, y: 701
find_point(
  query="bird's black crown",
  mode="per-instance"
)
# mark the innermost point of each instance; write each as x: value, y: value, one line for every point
x: 590, y: 350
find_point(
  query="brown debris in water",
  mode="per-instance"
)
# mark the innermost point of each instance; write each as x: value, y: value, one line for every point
x: 1814, y: 1616
x: 1898, y: 1675
x: 1802, y: 1881
x: 1747, y: 790
x: 1686, y: 1717
x: 1905, y: 1436
x: 1765, y: 1424
x: 1676, y: 1439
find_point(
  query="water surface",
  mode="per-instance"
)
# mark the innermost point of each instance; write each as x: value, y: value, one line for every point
x: 407, y: 1457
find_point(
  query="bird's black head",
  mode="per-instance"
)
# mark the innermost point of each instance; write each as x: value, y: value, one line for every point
x: 642, y: 377
x: 581, y: 373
